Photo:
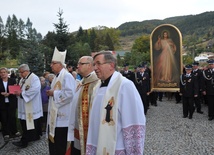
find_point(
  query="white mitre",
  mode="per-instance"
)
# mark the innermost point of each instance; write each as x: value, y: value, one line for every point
x: 59, y: 56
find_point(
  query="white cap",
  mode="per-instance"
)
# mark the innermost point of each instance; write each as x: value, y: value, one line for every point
x: 59, y: 56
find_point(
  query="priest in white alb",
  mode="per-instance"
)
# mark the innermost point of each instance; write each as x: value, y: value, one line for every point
x: 60, y: 97
x: 117, y: 122
x: 29, y: 106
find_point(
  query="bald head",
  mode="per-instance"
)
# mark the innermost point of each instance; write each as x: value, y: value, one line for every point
x: 85, y: 65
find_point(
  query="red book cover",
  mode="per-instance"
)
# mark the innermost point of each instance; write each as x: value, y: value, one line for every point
x: 14, y: 88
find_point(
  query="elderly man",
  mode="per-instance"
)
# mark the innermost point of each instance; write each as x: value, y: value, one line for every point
x: 117, y: 121
x: 188, y: 90
x: 60, y: 97
x: 29, y: 106
x: 80, y: 105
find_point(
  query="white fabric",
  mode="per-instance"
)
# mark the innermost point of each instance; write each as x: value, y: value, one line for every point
x: 73, y: 115
x: 31, y: 95
x: 108, y: 128
x: 6, y: 100
x: 130, y: 114
x: 59, y: 56
x: 74, y: 108
x: 28, y: 105
x: 63, y: 98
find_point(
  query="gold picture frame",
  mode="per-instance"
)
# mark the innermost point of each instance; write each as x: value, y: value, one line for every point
x: 166, y: 58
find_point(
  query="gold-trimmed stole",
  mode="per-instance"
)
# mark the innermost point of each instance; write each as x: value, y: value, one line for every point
x: 83, y: 118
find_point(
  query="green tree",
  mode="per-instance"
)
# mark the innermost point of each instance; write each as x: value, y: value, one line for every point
x: 2, y: 34
x: 33, y: 56
x: 140, y: 50
x: 78, y: 50
x: 62, y: 37
x: 92, y: 38
x: 109, y: 43
x: 11, y: 28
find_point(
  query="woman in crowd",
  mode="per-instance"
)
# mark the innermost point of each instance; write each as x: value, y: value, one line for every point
x: 8, y: 105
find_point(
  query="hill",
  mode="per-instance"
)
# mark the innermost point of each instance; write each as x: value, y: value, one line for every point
x: 197, y: 27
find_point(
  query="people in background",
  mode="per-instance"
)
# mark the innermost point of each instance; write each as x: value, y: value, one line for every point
x: 44, y: 88
x: 8, y: 106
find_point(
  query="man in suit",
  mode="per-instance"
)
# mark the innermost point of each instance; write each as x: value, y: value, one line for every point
x: 208, y: 88
x: 144, y: 86
x: 188, y: 90
x: 198, y: 74
x: 127, y: 73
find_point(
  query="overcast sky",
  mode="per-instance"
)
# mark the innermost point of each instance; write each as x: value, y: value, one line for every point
x: 91, y: 13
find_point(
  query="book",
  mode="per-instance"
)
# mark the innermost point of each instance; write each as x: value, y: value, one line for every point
x: 14, y: 88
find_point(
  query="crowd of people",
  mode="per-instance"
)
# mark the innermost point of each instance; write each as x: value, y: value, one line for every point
x: 196, y: 87
x: 94, y: 109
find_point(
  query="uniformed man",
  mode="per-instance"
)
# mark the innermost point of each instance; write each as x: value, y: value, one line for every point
x: 127, y: 73
x: 188, y: 90
x: 144, y: 86
x: 198, y: 74
x: 208, y: 88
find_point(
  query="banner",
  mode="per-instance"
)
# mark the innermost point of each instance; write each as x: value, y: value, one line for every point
x: 166, y: 58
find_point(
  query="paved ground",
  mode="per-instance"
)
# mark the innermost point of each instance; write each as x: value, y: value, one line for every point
x: 167, y: 134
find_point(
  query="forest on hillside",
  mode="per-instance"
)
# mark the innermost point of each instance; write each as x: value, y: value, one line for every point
x: 21, y: 43
x: 195, y: 29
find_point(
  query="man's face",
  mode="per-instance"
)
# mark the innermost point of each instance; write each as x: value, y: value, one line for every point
x: 195, y: 67
x: 23, y: 73
x: 83, y: 67
x: 126, y: 68
x: 102, y: 68
x: 188, y: 71
x: 211, y: 66
x: 142, y: 69
x: 70, y: 68
x: 56, y: 66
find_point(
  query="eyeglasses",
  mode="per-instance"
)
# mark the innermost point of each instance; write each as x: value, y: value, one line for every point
x: 22, y: 72
x: 99, y: 63
x: 82, y: 63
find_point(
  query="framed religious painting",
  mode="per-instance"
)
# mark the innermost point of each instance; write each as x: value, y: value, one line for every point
x: 166, y: 58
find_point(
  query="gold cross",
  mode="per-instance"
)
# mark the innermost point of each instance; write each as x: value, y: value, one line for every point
x: 30, y: 117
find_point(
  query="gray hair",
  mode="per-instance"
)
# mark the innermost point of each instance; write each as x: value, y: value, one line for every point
x: 51, y: 75
x: 108, y: 57
x: 41, y: 78
x: 25, y: 67
x: 88, y: 58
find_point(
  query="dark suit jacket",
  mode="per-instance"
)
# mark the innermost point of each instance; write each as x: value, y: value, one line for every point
x: 189, y: 85
x: 130, y: 75
x: 208, y: 82
x: 12, y: 98
x: 144, y: 83
x: 199, y: 75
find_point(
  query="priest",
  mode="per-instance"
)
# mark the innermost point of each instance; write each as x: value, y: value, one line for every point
x: 117, y: 121
x: 60, y: 97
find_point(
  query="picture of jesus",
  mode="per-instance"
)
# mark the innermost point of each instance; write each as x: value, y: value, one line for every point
x: 165, y: 64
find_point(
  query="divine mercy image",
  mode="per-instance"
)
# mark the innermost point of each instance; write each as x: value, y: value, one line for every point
x: 166, y: 57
